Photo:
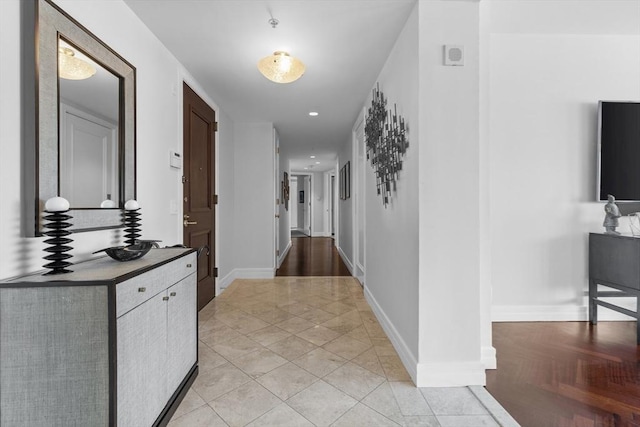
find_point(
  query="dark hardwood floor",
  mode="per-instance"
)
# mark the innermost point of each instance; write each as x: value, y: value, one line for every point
x: 567, y: 373
x: 312, y: 256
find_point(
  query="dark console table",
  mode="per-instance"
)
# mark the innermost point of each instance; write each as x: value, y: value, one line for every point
x: 614, y: 262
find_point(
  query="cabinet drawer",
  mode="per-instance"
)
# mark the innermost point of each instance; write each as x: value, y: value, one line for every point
x: 135, y: 291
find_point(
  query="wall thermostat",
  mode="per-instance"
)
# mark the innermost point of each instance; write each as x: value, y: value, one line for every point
x: 175, y: 160
x: 453, y: 55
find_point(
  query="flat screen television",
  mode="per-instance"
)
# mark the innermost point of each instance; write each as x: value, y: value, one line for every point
x: 619, y: 150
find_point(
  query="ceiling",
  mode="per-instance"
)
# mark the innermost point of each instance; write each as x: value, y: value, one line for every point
x: 343, y: 43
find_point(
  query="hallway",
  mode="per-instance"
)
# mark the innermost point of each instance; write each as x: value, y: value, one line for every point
x: 313, y: 256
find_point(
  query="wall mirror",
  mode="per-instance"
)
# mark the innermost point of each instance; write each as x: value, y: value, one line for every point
x: 84, y: 141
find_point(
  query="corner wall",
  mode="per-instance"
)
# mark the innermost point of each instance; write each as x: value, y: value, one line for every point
x: 450, y: 316
x: 254, y: 187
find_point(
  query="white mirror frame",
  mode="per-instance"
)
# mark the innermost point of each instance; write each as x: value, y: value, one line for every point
x: 41, y: 157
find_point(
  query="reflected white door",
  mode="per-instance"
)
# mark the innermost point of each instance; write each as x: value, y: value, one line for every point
x: 88, y: 160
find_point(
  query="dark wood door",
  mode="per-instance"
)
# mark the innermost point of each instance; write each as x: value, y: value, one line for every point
x: 199, y: 186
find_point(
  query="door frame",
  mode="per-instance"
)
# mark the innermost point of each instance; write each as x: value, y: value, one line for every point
x: 359, y: 202
x: 184, y: 78
x: 307, y: 197
x: 278, y: 197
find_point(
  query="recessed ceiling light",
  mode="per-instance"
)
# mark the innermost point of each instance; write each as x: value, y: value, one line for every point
x: 317, y: 163
x: 313, y: 113
x: 306, y: 168
x: 312, y: 157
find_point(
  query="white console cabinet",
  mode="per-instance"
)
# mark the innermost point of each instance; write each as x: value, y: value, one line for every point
x: 109, y: 344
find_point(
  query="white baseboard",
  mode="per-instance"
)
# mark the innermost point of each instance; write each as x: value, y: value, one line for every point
x: 346, y: 260
x: 406, y: 356
x: 225, y: 281
x: 359, y: 273
x: 284, y: 254
x: 450, y: 374
x: 246, y: 273
x: 557, y: 313
x: 488, y: 357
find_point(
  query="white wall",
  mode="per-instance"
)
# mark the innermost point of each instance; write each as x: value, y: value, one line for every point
x: 345, y: 209
x: 391, y: 246
x: 450, y: 318
x: 254, y: 188
x: 284, y: 228
x: 159, y: 129
x: 548, y: 70
x: 318, y: 204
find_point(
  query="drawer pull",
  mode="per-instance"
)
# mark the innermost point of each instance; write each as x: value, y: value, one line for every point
x: 189, y: 265
x: 165, y: 298
x: 142, y: 289
x: 173, y: 294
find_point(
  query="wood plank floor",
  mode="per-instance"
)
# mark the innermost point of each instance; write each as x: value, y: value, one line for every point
x: 567, y: 373
x: 313, y: 256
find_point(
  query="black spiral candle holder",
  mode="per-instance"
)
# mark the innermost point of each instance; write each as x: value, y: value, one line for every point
x: 57, y: 225
x: 131, y: 226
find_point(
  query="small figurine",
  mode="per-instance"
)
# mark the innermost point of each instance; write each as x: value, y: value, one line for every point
x: 612, y: 213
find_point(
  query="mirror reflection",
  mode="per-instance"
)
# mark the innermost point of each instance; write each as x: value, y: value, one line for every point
x: 88, y: 125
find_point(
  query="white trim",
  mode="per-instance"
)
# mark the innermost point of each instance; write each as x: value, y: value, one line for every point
x: 346, y: 260
x: 283, y: 255
x: 488, y: 357
x: 430, y: 374
x: 450, y: 374
x: 320, y: 234
x: 495, y: 409
x: 246, y: 273
x: 552, y: 313
x: 537, y: 313
x: 359, y: 273
x: 225, y: 281
x: 408, y: 359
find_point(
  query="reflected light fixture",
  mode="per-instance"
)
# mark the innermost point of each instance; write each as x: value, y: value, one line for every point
x: 72, y: 68
x: 281, y: 67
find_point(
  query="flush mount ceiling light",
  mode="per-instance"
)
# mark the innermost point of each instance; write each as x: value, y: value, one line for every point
x: 313, y: 113
x: 72, y: 68
x: 281, y: 67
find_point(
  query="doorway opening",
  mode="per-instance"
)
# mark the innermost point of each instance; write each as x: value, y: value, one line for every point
x: 199, y: 127
x: 301, y: 205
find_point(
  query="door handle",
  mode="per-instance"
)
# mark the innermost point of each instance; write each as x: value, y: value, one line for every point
x: 277, y: 216
x: 186, y: 221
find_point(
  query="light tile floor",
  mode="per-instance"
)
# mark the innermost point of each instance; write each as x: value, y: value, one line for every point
x: 300, y: 351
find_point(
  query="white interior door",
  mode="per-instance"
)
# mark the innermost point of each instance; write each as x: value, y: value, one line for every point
x: 89, y: 158
x: 307, y: 206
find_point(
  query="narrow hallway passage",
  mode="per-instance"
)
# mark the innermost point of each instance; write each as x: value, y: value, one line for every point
x: 313, y: 256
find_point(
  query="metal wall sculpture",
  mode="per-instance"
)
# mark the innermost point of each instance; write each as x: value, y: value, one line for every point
x: 386, y: 143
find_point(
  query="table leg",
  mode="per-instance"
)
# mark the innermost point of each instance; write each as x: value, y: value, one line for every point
x: 593, y: 307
